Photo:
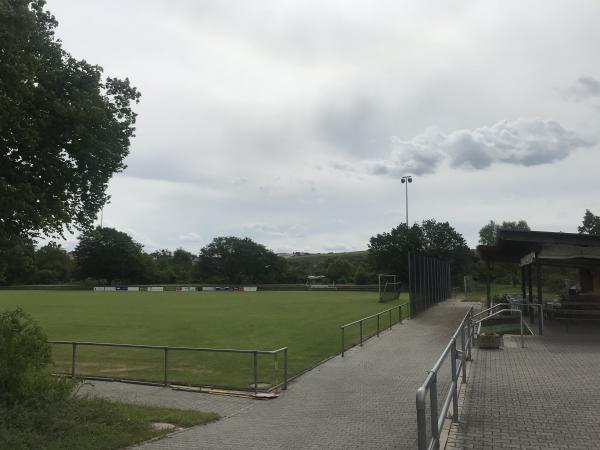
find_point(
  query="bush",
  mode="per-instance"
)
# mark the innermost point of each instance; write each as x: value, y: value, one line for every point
x: 25, y: 358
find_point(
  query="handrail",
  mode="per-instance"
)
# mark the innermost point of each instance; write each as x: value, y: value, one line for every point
x: 529, y: 305
x: 458, y: 360
x: 166, y: 349
x: 477, y: 322
x: 378, y: 329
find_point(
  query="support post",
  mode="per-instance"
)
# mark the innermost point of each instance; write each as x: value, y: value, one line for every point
x: 285, y: 368
x: 166, y: 366
x: 433, y: 410
x: 409, y: 269
x: 255, y: 371
x: 361, y: 334
x: 421, y: 420
x: 454, y: 381
x: 377, y: 324
x: 488, y: 286
x: 463, y: 348
x: 530, y: 286
x: 74, y: 351
x: 342, y: 330
x: 538, y: 268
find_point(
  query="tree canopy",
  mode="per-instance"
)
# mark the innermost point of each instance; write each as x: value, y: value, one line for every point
x: 108, y: 254
x: 389, y: 251
x: 239, y: 260
x: 590, y: 224
x: 64, y: 130
x: 488, y: 233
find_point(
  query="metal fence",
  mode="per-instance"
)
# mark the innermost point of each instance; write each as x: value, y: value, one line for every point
x: 428, y: 282
x: 167, y: 351
x: 463, y: 337
x: 371, y: 329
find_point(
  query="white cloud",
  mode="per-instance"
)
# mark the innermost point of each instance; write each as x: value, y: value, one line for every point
x: 524, y: 142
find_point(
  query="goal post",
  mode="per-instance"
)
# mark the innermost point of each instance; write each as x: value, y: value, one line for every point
x: 389, y: 287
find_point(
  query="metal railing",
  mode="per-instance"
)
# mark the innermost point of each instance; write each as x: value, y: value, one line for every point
x: 522, y: 306
x: 478, y: 322
x: 458, y: 359
x: 378, y: 329
x: 166, y: 349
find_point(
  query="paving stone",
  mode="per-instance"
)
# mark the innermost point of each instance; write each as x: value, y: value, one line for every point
x: 545, y: 396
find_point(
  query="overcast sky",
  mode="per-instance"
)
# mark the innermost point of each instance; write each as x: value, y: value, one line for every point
x: 290, y: 122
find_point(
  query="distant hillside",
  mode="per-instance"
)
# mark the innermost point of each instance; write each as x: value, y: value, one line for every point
x: 320, y: 257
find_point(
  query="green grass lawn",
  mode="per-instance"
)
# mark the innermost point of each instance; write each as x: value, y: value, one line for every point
x: 306, y: 322
x: 88, y: 423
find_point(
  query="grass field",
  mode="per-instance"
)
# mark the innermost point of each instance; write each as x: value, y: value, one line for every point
x: 306, y: 322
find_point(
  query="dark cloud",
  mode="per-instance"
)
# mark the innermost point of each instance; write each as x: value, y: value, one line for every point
x: 583, y: 89
x: 524, y: 142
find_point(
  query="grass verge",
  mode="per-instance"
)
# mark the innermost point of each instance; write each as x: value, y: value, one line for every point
x: 88, y: 423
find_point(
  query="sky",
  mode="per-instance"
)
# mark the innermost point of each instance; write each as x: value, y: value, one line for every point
x: 291, y: 122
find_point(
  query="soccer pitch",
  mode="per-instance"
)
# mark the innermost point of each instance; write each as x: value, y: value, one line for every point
x: 308, y: 322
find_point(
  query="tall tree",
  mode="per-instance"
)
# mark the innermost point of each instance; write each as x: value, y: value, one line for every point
x: 52, y: 264
x: 489, y: 232
x: 111, y: 255
x: 487, y: 236
x: 590, y: 224
x: 388, y: 251
x: 64, y: 129
x: 236, y: 260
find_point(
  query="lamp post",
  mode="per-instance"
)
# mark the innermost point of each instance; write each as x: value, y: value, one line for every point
x: 405, y: 180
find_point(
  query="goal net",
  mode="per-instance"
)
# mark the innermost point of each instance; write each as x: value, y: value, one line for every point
x: 389, y: 287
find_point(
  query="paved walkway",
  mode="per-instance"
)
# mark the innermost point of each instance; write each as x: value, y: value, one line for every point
x: 546, y: 396
x: 363, y: 401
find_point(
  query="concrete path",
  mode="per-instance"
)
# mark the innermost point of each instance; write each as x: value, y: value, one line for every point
x: 543, y: 397
x: 365, y: 400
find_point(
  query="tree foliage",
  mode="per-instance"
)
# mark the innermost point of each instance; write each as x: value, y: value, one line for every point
x: 389, y: 251
x: 239, y: 260
x: 489, y: 232
x: 108, y: 254
x: 52, y: 265
x: 504, y: 272
x: 64, y: 130
x: 590, y: 224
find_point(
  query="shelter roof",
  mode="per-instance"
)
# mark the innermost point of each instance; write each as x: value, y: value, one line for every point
x: 550, y: 248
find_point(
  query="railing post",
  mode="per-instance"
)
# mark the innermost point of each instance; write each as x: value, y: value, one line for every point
x: 361, y: 334
x: 285, y: 368
x: 454, y: 381
x: 400, y: 314
x: 74, y: 344
x: 435, y: 431
x: 377, y: 324
x: 463, y: 355
x: 255, y: 366
x: 166, y: 366
x: 342, y: 329
x: 421, y: 419
x: 390, y: 311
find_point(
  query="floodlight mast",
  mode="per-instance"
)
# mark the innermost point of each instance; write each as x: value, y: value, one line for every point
x: 405, y: 180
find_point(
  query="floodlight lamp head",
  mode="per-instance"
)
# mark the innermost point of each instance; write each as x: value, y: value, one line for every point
x: 410, y: 179
x: 403, y: 180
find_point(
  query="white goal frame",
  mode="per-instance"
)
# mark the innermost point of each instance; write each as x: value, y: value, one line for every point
x: 383, y: 280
